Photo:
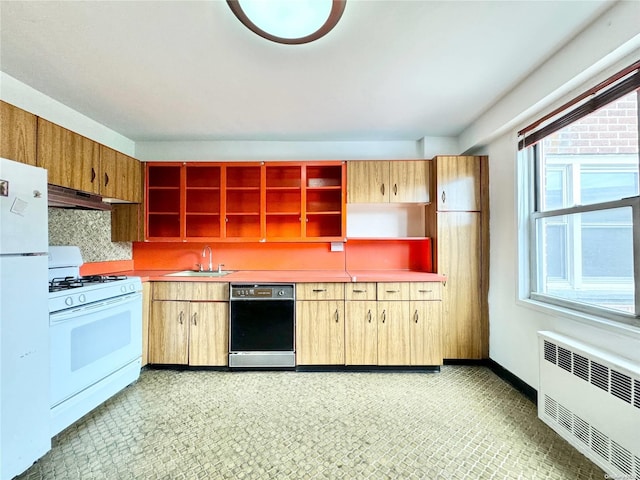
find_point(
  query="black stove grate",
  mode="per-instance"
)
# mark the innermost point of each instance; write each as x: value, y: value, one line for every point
x: 67, y: 283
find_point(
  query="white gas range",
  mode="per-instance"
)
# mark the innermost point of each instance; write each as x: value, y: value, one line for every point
x: 95, y: 336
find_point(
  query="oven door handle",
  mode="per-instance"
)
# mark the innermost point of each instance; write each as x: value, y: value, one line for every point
x: 71, y: 313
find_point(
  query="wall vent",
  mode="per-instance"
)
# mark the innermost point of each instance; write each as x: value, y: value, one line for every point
x: 591, y: 398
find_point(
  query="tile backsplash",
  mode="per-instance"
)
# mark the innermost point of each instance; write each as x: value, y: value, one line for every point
x: 88, y: 229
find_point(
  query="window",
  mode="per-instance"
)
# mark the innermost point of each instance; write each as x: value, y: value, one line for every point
x: 584, y: 214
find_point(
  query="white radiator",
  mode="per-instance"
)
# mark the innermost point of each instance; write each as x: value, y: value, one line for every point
x: 591, y: 398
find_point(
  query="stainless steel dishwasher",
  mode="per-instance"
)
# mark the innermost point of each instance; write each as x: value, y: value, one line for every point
x: 262, y: 326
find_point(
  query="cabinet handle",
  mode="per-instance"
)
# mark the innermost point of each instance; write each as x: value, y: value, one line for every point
x: 384, y: 316
x: 319, y: 290
x: 181, y: 318
x: 392, y: 291
x: 415, y: 316
x: 425, y: 291
x: 93, y: 174
x: 106, y: 179
x: 382, y: 189
x: 395, y: 189
x: 444, y: 197
x: 226, y: 219
x: 369, y: 316
x: 195, y: 315
x: 337, y: 315
x: 359, y: 291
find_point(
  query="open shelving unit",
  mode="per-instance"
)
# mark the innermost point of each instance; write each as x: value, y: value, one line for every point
x: 324, y: 202
x: 246, y: 201
x: 202, y: 202
x: 243, y: 202
x: 163, y: 202
x: 283, y: 193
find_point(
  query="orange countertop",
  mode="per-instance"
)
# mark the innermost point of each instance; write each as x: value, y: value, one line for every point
x: 296, y: 276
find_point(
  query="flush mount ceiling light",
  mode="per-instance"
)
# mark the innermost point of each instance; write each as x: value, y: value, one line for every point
x: 289, y: 21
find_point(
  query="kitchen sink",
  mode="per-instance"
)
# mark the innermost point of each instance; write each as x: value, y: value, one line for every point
x: 196, y: 273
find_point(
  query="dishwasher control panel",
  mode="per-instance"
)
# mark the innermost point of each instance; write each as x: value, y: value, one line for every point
x: 266, y: 292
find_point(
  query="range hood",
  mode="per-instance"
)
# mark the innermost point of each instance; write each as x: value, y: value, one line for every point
x: 63, y: 197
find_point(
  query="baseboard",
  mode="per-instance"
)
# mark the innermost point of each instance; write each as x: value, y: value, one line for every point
x: 368, y: 368
x: 523, y: 387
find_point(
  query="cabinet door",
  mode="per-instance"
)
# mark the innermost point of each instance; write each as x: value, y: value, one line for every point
x: 209, y: 334
x: 109, y: 165
x: 458, y: 183
x: 127, y: 222
x: 320, y: 333
x: 425, y: 333
x: 17, y: 134
x: 409, y: 181
x: 72, y: 160
x: 121, y: 176
x: 361, y: 333
x: 169, y: 332
x: 368, y: 182
x: 146, y: 315
x: 129, y: 178
x: 394, y: 345
x: 459, y: 259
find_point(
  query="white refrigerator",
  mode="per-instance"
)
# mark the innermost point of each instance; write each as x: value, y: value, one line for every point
x: 24, y: 317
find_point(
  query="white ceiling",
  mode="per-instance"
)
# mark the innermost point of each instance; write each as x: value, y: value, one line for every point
x: 188, y: 70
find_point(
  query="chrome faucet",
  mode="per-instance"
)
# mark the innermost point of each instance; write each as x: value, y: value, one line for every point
x: 204, y: 253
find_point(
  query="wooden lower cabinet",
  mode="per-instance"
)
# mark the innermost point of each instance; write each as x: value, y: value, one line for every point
x: 426, y: 332
x: 146, y: 315
x: 320, y: 332
x: 189, y: 333
x: 394, y: 344
x: 209, y: 334
x: 169, y: 332
x: 189, y: 324
x: 361, y: 332
x: 394, y: 332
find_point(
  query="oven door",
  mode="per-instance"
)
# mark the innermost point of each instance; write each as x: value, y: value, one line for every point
x: 93, y: 341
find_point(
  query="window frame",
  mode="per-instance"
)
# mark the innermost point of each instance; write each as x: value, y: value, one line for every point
x: 530, y: 213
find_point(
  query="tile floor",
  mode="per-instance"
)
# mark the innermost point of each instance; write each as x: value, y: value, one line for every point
x: 462, y: 423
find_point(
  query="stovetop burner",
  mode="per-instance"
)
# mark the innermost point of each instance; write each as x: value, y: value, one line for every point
x: 67, y: 283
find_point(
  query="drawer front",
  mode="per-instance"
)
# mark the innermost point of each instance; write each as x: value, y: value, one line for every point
x: 360, y: 291
x: 320, y: 291
x: 191, y: 291
x: 393, y: 291
x: 426, y: 291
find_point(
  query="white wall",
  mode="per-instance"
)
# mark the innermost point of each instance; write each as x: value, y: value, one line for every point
x: 23, y: 96
x: 611, y: 43
x: 513, y: 324
x: 276, y: 150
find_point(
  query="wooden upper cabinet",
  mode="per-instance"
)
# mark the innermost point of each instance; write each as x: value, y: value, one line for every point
x: 368, y: 182
x: 409, y: 181
x: 18, y: 134
x: 382, y: 181
x: 457, y: 180
x: 121, y: 176
x: 72, y: 160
